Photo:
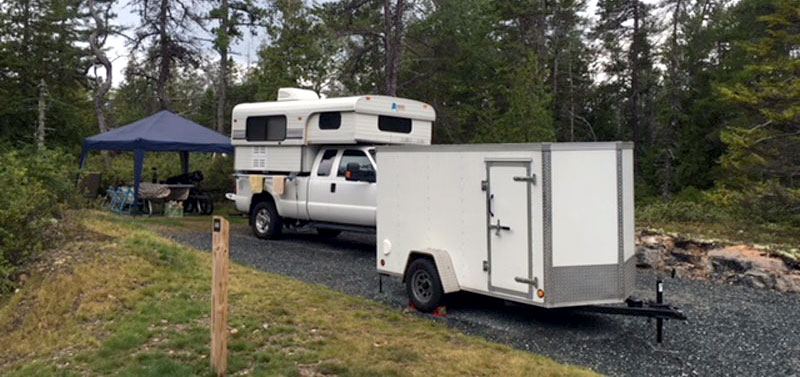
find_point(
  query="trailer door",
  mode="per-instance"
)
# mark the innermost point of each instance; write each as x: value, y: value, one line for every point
x: 508, y: 214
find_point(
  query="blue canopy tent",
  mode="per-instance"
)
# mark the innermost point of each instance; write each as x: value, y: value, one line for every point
x: 161, y: 132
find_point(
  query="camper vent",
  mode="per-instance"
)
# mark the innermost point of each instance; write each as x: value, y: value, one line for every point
x: 259, y: 163
x: 260, y: 150
x: 293, y: 94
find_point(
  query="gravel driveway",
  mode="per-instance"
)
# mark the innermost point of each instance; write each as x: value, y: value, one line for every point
x: 732, y: 330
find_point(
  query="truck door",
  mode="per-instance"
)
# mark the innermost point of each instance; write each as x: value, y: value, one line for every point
x: 322, y: 187
x: 508, y: 214
x: 355, y: 201
x: 332, y: 198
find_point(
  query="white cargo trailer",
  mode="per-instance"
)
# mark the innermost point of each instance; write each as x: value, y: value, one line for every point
x: 550, y: 225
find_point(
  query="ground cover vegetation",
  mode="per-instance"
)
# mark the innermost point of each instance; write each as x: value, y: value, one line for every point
x: 117, y: 299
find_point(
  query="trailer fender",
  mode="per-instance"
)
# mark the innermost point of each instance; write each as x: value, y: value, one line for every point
x: 444, y: 265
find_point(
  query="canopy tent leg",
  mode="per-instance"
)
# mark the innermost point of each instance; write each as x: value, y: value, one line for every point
x: 138, y: 162
x: 81, y: 165
x: 184, y: 162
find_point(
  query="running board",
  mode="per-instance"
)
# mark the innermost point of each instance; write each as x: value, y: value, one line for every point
x: 342, y: 227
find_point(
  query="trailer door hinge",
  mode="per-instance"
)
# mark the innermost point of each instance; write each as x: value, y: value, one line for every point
x: 531, y: 179
x: 486, y: 265
x: 484, y: 185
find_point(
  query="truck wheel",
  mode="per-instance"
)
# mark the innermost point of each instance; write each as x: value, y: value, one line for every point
x: 265, y: 221
x: 423, y: 285
x: 328, y: 233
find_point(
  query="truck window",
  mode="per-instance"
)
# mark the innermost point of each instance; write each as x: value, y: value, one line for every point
x: 354, y: 155
x: 330, y: 121
x: 394, y: 124
x: 266, y: 128
x: 326, y: 163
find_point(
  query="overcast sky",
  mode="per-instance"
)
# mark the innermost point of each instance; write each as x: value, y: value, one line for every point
x: 243, y: 51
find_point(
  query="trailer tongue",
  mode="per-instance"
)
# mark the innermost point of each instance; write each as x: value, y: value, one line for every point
x: 643, y: 308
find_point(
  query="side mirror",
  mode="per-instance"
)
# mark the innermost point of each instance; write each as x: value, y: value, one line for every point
x: 353, y: 172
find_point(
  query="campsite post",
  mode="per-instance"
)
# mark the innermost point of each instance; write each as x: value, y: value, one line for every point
x: 219, y: 295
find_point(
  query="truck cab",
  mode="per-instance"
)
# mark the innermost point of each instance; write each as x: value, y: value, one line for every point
x: 309, y: 162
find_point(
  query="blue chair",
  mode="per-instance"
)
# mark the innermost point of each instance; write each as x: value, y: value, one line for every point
x: 111, y: 194
x: 127, y: 200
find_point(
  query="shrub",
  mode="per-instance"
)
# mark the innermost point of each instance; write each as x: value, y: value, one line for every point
x: 679, y: 211
x: 35, y: 187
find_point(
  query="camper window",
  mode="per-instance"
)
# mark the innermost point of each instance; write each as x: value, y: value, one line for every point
x: 394, y: 124
x: 266, y: 128
x: 330, y: 121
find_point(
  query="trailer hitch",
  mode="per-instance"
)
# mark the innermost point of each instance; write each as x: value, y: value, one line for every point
x: 643, y: 308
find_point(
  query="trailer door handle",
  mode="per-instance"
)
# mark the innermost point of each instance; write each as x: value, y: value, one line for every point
x: 534, y: 282
x: 531, y: 179
x: 333, y: 187
x: 499, y: 227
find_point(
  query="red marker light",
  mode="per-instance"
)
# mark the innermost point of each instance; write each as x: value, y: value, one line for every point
x: 383, y: 262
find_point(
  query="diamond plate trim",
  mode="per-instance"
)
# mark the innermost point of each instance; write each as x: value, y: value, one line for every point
x: 620, y: 227
x: 584, y: 283
x: 630, y: 277
x: 547, y: 223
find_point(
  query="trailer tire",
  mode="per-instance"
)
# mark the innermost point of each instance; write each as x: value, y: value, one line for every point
x: 423, y: 285
x: 328, y: 233
x: 265, y: 221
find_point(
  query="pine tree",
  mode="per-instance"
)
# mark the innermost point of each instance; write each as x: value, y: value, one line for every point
x: 631, y: 79
x: 168, y: 34
x: 765, y: 146
x: 41, y: 70
x: 232, y: 16
x: 299, y: 52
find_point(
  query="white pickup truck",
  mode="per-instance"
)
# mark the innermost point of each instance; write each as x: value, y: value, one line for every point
x: 338, y: 194
x: 306, y: 161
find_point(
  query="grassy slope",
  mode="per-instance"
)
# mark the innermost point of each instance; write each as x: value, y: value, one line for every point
x: 123, y: 301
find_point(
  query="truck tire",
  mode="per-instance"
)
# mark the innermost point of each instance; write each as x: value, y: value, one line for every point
x: 423, y: 285
x: 265, y: 221
x: 328, y: 233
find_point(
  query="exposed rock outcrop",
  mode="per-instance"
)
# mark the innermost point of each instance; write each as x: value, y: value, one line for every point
x: 738, y: 264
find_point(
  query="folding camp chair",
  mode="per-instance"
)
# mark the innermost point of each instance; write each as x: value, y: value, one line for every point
x: 127, y: 201
x: 113, y: 197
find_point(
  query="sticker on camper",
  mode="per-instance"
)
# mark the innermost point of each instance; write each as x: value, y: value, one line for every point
x: 397, y: 107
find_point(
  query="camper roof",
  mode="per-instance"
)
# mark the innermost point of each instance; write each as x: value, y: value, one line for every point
x: 365, y: 104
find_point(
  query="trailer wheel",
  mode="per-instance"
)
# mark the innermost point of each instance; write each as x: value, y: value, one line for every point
x: 328, y: 233
x: 423, y: 285
x: 266, y: 223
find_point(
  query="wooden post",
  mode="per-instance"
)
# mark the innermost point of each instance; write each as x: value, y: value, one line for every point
x: 219, y: 295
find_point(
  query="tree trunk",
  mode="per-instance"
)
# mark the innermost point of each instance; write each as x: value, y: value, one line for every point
x: 393, y: 42
x: 165, y: 55
x: 42, y: 106
x: 674, y: 108
x: 634, y: 66
x: 100, y: 57
x: 223, y: 69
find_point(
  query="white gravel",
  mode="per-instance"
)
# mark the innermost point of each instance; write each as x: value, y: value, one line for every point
x: 731, y: 331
